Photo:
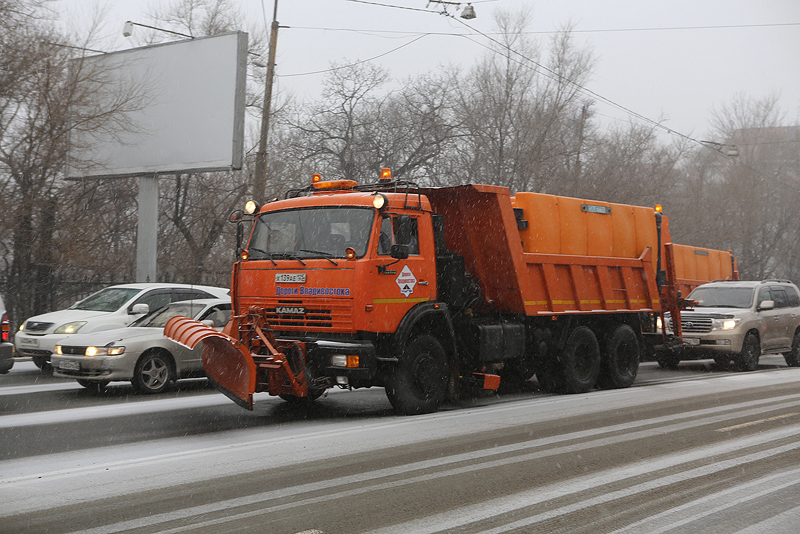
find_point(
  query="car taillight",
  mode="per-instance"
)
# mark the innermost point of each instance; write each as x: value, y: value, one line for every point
x: 4, y: 333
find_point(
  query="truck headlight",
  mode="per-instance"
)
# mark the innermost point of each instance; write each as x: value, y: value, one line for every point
x: 344, y: 360
x: 70, y: 328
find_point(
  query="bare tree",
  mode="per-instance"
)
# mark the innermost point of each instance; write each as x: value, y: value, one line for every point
x: 516, y: 109
x: 36, y: 92
x: 748, y: 203
x: 198, y: 206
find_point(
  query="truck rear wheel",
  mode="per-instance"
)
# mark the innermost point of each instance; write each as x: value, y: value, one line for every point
x: 418, y: 383
x: 580, y: 361
x: 619, y: 363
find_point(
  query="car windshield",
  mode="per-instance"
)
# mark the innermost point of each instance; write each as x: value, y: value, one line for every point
x: 311, y: 233
x: 722, y: 297
x: 106, y: 300
x: 159, y: 318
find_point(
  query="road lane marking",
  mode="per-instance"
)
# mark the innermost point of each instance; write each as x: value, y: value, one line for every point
x: 660, y: 521
x: 658, y: 424
x: 483, y: 462
x: 474, y: 513
x: 760, y: 421
x: 25, y: 390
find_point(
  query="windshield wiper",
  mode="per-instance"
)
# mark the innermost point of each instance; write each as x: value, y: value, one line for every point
x: 290, y: 256
x: 325, y: 255
x: 265, y: 253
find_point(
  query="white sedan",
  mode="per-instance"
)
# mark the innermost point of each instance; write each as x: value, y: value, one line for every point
x: 139, y: 352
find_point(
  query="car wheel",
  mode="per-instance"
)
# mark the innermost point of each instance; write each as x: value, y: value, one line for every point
x: 153, y: 373
x: 751, y: 352
x: 723, y: 361
x: 93, y: 386
x: 668, y: 359
x: 313, y: 394
x: 42, y: 363
x: 793, y: 358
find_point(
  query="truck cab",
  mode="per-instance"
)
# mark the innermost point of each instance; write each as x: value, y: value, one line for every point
x: 340, y: 270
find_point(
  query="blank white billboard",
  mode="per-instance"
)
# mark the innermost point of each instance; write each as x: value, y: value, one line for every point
x: 170, y: 108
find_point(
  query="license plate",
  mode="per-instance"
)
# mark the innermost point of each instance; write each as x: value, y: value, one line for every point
x: 29, y: 342
x: 69, y: 365
x: 691, y: 341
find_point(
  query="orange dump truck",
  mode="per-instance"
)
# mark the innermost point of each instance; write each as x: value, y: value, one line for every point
x: 427, y: 290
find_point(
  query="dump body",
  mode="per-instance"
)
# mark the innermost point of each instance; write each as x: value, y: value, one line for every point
x: 559, y: 255
x: 425, y: 291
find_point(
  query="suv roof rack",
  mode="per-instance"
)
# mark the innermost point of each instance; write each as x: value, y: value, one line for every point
x: 776, y: 280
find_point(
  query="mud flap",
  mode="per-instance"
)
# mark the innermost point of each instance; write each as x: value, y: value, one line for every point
x: 228, y: 364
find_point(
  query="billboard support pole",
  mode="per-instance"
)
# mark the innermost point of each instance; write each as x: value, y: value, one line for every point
x: 147, y: 234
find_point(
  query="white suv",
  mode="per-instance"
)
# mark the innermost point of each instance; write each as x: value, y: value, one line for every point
x: 739, y: 321
x: 112, y: 307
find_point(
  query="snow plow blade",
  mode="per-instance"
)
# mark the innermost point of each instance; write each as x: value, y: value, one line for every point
x: 227, y: 363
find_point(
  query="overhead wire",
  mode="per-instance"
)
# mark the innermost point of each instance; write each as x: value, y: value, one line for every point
x: 543, y: 68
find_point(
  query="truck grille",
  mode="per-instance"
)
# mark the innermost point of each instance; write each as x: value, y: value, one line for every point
x: 320, y: 315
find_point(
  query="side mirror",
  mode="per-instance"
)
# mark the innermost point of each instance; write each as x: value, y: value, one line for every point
x: 399, y: 252
x: 767, y: 305
x: 139, y: 309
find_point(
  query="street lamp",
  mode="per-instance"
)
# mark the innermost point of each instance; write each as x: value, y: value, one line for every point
x: 260, y: 175
x: 467, y: 13
x: 127, y: 29
x: 730, y: 150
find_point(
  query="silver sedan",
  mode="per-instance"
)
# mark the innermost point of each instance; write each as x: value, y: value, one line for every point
x: 139, y: 352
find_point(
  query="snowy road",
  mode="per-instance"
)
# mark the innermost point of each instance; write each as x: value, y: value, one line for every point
x: 696, y: 450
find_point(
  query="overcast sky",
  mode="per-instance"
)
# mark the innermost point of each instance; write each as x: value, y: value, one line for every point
x: 672, y: 61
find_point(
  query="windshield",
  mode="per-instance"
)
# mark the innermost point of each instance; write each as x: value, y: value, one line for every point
x: 106, y: 300
x: 160, y: 317
x: 311, y: 233
x: 722, y: 297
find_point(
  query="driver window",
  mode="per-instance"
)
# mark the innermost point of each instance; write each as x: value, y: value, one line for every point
x: 388, y: 237
x: 763, y: 295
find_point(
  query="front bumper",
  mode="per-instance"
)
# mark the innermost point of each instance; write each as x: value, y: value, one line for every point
x: 320, y: 352
x: 36, y: 346
x: 101, y: 368
x: 717, y: 342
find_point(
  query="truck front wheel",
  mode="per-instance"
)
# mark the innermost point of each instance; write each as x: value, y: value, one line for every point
x: 418, y: 383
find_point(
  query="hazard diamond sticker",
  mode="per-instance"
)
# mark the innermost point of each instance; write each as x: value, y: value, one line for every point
x: 406, y: 280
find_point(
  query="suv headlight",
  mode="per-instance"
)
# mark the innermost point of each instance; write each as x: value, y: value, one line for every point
x: 725, y: 324
x: 70, y: 328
